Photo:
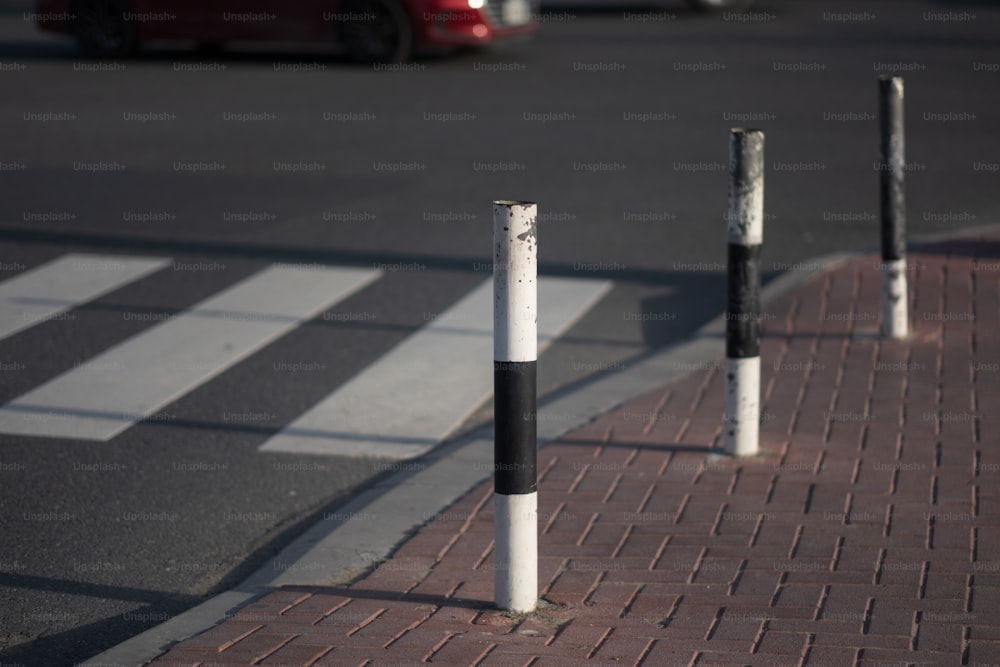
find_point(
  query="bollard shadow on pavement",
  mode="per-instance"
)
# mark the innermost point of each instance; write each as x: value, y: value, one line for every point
x: 690, y: 448
x: 397, y: 597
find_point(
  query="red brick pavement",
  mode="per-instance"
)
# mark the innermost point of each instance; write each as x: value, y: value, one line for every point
x: 866, y: 533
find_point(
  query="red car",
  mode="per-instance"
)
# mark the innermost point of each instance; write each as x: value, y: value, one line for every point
x: 370, y: 30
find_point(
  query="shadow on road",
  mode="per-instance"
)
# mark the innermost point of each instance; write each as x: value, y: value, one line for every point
x: 80, y: 643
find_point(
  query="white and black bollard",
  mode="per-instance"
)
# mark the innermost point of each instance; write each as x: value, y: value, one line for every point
x: 892, y: 165
x: 746, y: 233
x: 515, y: 454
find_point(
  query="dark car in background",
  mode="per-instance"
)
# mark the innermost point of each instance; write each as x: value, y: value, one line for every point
x: 369, y: 30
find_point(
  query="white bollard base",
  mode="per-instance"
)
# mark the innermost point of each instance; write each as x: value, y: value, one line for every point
x: 515, y: 554
x: 895, y: 323
x: 742, y: 414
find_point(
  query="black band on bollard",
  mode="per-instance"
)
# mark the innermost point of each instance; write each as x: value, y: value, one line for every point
x: 743, y: 303
x: 515, y: 462
x: 892, y: 166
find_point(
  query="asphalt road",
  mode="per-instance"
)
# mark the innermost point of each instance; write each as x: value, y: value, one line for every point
x: 614, y: 119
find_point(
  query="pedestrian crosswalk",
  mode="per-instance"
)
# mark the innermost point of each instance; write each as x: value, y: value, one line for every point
x: 44, y: 293
x: 399, y: 406
x: 101, y: 398
x: 411, y: 398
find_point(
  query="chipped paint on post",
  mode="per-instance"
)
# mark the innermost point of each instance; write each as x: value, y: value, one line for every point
x: 894, y: 310
x: 746, y: 187
x: 742, y: 406
x: 515, y: 280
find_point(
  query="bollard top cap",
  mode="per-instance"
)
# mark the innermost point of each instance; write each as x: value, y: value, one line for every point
x: 888, y: 82
x: 746, y: 130
x: 512, y: 202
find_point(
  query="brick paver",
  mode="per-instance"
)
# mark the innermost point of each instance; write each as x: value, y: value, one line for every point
x: 866, y: 532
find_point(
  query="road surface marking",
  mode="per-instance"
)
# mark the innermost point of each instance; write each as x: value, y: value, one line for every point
x: 130, y: 381
x: 411, y: 398
x: 49, y: 290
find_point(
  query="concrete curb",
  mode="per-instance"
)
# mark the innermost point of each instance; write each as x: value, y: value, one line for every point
x: 337, y: 549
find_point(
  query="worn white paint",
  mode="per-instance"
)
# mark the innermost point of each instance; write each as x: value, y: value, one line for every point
x: 515, y: 555
x: 742, y: 409
x: 515, y: 281
x: 895, y: 322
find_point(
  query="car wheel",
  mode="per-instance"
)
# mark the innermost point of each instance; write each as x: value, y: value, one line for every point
x: 103, y: 28
x: 210, y: 49
x: 721, y: 5
x: 375, y: 31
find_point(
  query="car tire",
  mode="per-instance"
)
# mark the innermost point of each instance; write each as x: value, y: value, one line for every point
x: 375, y: 31
x: 103, y: 28
x: 210, y: 48
x: 721, y: 5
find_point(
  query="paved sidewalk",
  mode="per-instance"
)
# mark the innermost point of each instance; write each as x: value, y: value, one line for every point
x: 866, y: 533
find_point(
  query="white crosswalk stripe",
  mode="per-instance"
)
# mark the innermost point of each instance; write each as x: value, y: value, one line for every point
x: 106, y: 395
x: 399, y: 406
x: 47, y: 291
x: 414, y: 396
